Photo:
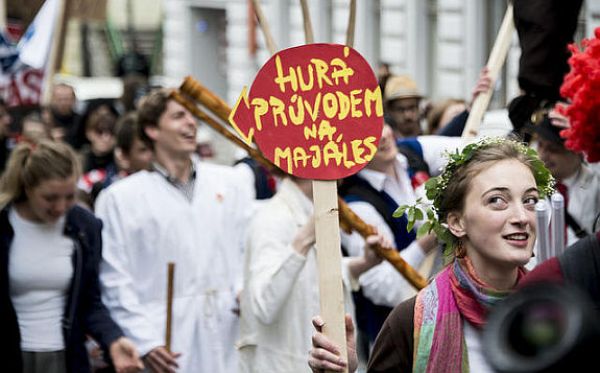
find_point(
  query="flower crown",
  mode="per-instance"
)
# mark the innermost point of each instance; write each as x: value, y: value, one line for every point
x: 436, y: 187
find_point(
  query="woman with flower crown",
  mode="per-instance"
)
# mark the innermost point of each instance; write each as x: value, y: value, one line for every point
x: 483, y: 208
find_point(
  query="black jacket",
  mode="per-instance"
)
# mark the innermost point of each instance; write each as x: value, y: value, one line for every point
x: 84, y: 311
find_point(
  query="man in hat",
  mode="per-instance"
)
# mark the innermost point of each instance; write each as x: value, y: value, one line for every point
x: 575, y: 180
x: 402, y: 99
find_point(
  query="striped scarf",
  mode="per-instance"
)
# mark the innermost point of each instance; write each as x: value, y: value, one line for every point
x: 454, y: 294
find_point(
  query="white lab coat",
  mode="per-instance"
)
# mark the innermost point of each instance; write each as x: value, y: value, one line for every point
x: 148, y: 223
x: 281, y: 288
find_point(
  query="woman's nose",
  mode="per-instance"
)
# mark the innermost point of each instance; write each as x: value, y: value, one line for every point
x: 520, y: 215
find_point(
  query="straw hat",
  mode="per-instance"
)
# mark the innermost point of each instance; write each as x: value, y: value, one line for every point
x: 400, y: 86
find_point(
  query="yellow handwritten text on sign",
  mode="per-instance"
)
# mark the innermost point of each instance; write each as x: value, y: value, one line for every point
x: 315, y: 111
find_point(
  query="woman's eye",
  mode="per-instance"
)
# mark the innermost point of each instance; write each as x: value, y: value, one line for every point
x: 531, y: 201
x: 496, y: 201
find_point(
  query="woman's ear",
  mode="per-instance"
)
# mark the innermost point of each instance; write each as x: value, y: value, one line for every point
x: 456, y: 225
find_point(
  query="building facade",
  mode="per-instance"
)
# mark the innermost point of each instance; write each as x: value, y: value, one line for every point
x: 442, y: 44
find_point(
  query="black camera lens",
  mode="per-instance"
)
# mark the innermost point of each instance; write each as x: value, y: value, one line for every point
x: 537, y: 327
x: 541, y: 328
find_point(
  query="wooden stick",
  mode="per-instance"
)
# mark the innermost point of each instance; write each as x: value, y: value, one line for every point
x: 170, y: 275
x: 308, y: 30
x: 329, y: 257
x: 200, y: 93
x: 348, y: 218
x: 54, y: 57
x: 60, y: 48
x: 389, y: 254
x: 252, y: 152
x: 251, y: 30
x: 351, y: 24
x: 264, y: 25
x: 494, y: 64
x: 3, y: 14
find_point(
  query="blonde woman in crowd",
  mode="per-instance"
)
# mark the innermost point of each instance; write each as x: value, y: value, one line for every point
x: 50, y: 249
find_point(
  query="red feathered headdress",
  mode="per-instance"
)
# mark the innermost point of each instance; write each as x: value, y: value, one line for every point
x: 582, y: 87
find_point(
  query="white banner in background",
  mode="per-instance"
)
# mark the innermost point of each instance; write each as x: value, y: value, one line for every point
x: 35, y: 44
x: 23, y: 67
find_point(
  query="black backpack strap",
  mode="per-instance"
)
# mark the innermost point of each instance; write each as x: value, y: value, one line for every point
x: 415, y: 159
x: 261, y: 182
x: 572, y: 223
x: 355, y: 187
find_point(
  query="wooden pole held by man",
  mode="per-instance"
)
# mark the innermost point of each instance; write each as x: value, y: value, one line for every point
x: 170, y: 281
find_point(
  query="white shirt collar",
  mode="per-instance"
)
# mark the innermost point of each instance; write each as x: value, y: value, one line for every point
x: 301, y: 201
x: 377, y: 179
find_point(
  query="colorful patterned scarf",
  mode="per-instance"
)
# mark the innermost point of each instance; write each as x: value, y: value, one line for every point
x: 454, y: 294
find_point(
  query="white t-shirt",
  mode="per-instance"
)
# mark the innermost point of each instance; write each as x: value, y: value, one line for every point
x: 40, y: 272
x: 477, y: 360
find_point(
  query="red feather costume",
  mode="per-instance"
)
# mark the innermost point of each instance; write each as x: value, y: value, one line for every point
x: 582, y: 87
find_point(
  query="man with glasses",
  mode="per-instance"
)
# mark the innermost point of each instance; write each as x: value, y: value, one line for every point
x: 402, y: 99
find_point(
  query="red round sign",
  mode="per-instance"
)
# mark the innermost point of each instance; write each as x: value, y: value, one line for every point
x: 315, y: 111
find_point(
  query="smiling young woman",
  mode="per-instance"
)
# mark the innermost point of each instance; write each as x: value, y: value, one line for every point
x: 483, y: 208
x: 49, y: 254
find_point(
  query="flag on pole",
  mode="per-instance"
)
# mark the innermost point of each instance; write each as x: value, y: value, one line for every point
x: 34, y: 46
x: 23, y: 66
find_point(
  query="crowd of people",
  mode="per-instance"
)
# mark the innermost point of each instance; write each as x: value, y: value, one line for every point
x: 95, y: 205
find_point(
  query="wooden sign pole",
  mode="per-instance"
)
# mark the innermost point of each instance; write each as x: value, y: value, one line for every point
x: 494, y: 64
x: 329, y: 255
x: 329, y: 258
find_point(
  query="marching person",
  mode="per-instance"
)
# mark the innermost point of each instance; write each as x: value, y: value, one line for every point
x: 281, y: 291
x: 374, y: 193
x: 576, y: 181
x: 184, y: 211
x: 50, y: 252
x: 402, y: 99
x: 486, y: 198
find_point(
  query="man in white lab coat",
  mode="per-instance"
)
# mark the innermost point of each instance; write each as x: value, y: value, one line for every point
x: 183, y: 211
